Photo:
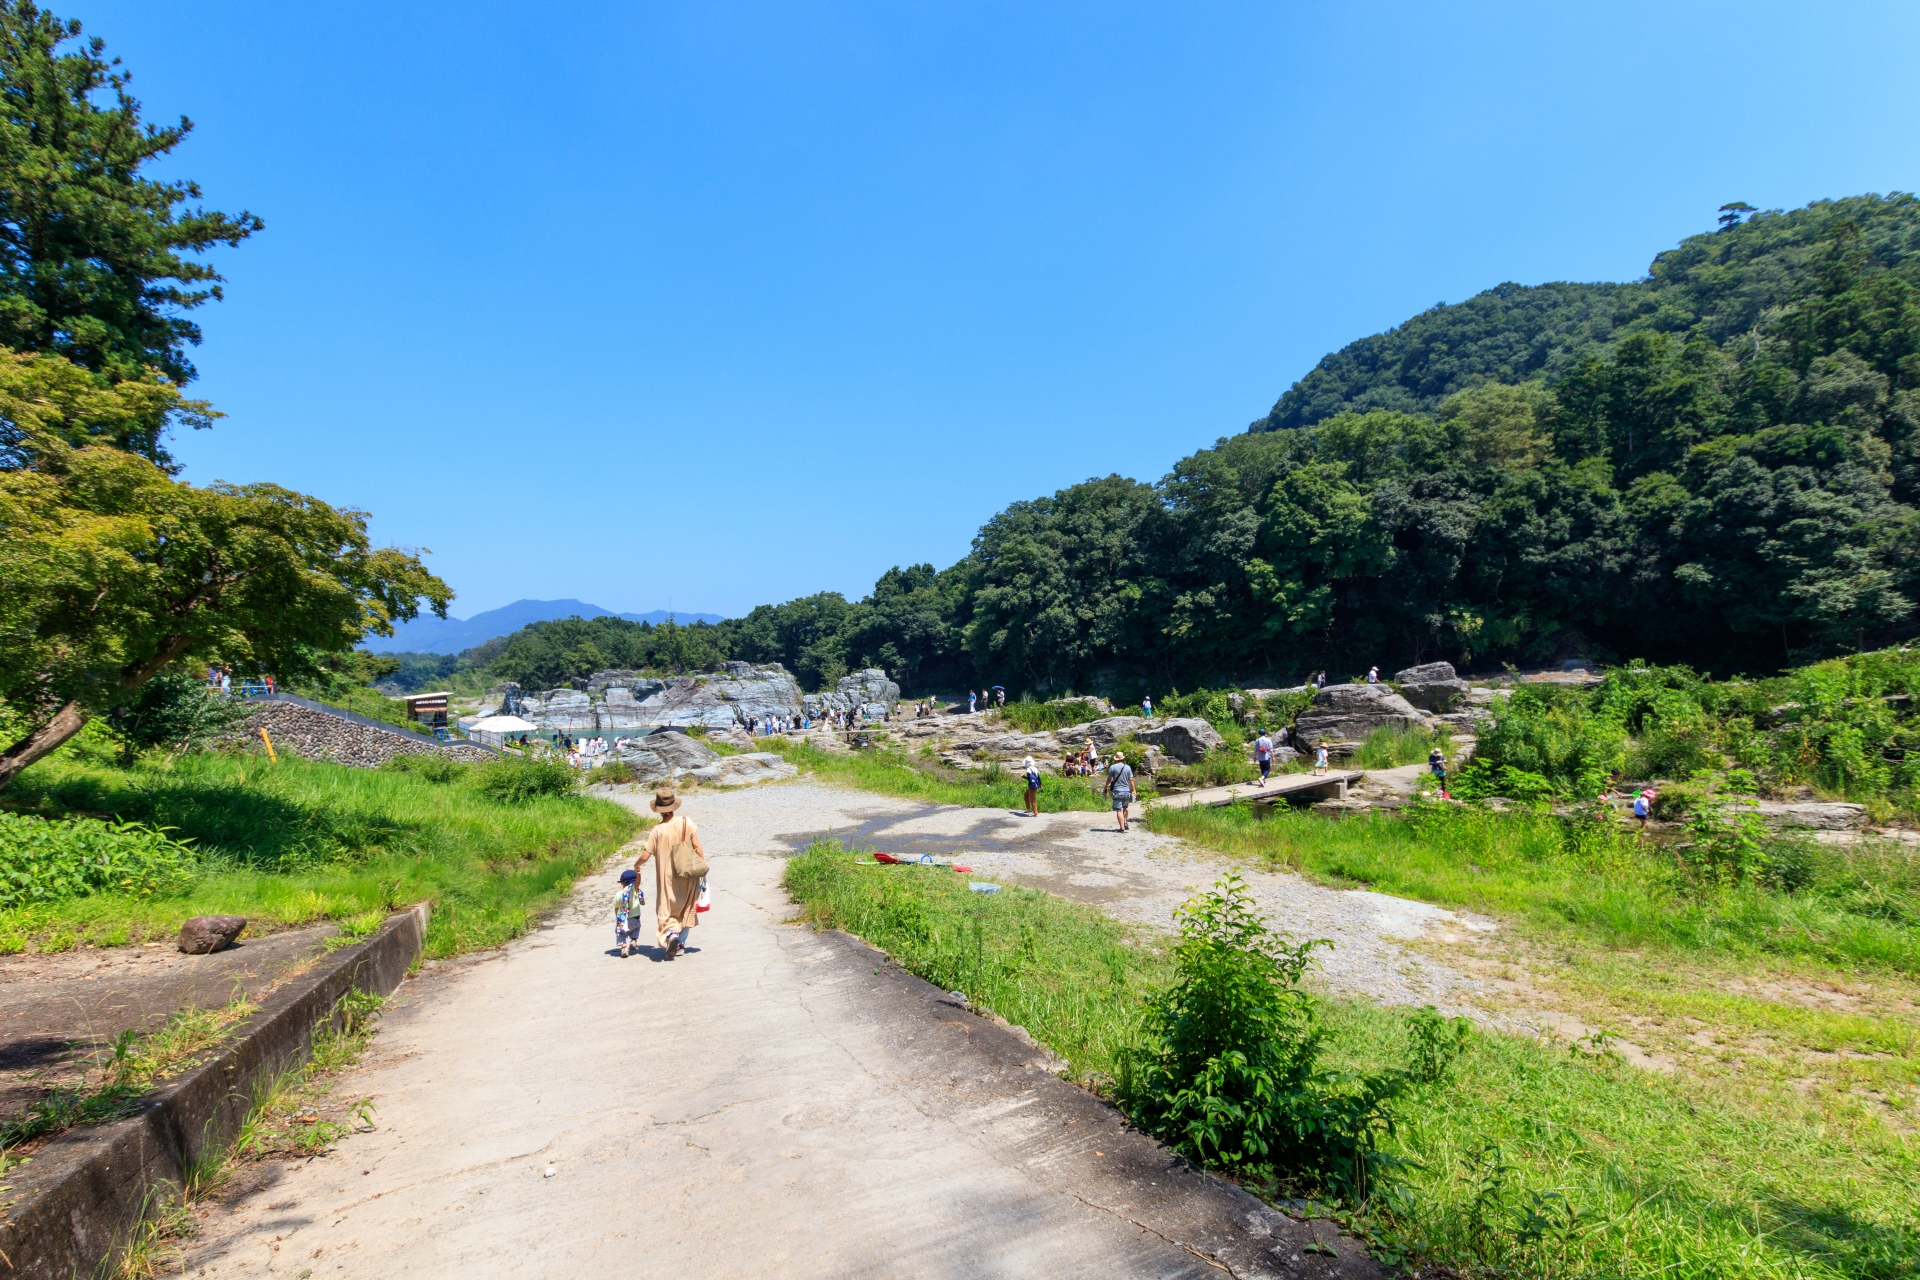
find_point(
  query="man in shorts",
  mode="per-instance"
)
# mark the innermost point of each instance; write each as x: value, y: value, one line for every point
x: 1263, y: 755
x: 1120, y: 787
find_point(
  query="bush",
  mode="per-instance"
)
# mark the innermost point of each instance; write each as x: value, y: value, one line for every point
x: 175, y: 711
x: 1231, y: 1074
x: 516, y: 779
x: 614, y: 771
x: 1217, y: 768
x: 43, y: 861
x: 1551, y: 731
x: 1433, y: 1042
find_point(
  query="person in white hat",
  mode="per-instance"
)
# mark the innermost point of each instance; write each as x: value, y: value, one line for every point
x: 676, y: 885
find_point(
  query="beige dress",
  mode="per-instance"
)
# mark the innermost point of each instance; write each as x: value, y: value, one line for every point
x: 675, y: 897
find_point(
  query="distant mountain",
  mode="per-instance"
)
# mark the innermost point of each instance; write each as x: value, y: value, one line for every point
x: 428, y: 634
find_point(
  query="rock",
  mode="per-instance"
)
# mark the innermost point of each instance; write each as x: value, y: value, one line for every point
x: 743, y: 693
x: 1432, y: 686
x: 203, y: 935
x: 621, y: 678
x: 869, y: 689
x: 1104, y: 732
x: 1017, y: 746
x: 1349, y: 712
x: 1154, y: 762
x: 1184, y: 740
x: 559, y: 711
x: 1817, y: 816
x: 655, y: 757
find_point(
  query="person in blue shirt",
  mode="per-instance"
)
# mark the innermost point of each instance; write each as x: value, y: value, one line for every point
x: 1263, y: 755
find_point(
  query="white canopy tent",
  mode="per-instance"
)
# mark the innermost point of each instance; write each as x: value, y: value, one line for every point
x: 494, y: 729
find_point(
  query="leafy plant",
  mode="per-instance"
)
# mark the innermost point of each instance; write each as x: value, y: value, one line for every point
x: 1029, y: 716
x: 1434, y: 1042
x: 430, y: 765
x: 1230, y: 1072
x: 516, y: 779
x: 175, y: 711
x: 42, y: 861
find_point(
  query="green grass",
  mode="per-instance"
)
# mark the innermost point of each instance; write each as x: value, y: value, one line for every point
x: 1598, y: 883
x: 1028, y: 716
x: 1389, y: 748
x: 1531, y: 1159
x: 893, y: 773
x: 298, y: 841
x: 1070, y: 974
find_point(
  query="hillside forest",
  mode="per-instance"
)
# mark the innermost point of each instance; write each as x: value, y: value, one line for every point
x: 1717, y: 465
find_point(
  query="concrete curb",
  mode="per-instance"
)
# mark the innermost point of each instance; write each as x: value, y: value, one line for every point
x: 77, y: 1202
x: 996, y: 1078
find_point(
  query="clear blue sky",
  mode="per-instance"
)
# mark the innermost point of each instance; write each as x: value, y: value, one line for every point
x: 704, y: 305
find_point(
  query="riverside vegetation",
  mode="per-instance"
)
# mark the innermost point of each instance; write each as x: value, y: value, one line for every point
x: 96, y: 850
x: 1493, y: 1153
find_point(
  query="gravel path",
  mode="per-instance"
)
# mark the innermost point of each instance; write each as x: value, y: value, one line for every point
x: 1139, y: 877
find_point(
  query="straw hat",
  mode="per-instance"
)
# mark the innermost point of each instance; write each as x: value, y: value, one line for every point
x: 664, y: 801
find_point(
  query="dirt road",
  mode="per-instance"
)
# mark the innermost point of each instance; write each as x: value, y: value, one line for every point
x: 774, y: 1103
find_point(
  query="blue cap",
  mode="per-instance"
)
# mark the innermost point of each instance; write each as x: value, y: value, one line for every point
x: 628, y: 876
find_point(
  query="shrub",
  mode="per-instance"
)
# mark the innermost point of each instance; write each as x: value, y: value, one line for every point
x: 1433, y: 1042
x: 1231, y: 1072
x: 176, y: 711
x: 614, y: 771
x: 515, y: 779
x: 1217, y: 768
x: 43, y: 861
x: 1552, y: 732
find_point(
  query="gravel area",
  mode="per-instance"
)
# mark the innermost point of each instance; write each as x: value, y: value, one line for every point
x: 1138, y: 877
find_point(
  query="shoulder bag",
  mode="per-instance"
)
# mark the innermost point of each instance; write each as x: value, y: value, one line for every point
x: 685, y: 857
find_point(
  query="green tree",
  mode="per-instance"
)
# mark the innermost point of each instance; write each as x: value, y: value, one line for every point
x: 93, y: 255
x: 111, y: 571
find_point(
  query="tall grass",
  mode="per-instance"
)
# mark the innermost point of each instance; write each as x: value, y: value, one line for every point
x: 1029, y: 716
x: 1529, y: 1159
x: 1389, y: 748
x: 893, y: 773
x: 1860, y: 905
x: 298, y: 841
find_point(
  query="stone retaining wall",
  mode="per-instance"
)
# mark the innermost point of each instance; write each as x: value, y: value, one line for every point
x: 315, y: 735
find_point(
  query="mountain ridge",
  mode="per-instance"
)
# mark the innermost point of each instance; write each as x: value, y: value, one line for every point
x: 428, y: 634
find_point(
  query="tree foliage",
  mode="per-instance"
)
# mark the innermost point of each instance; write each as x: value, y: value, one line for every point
x: 94, y: 256
x: 111, y: 570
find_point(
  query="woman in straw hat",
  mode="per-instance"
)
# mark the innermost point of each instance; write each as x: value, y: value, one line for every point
x: 676, y: 896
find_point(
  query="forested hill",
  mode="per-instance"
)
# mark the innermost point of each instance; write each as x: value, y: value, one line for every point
x: 1718, y: 284
x: 1719, y: 465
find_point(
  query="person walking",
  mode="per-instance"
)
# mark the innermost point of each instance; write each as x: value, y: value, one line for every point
x: 1146, y: 707
x: 1120, y: 787
x: 1437, y: 762
x: 1319, y: 760
x: 1373, y: 675
x: 1643, y: 808
x: 1321, y: 680
x: 679, y: 864
x: 969, y: 702
x: 1263, y: 755
x: 1033, y: 788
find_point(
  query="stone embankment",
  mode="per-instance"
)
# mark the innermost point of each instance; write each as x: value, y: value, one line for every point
x: 316, y: 735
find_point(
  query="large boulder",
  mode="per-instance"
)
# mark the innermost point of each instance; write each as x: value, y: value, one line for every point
x: 869, y: 689
x: 559, y: 711
x: 663, y: 756
x: 1184, y: 740
x: 739, y: 694
x: 1104, y: 733
x: 1432, y: 686
x: 1349, y: 712
x: 1016, y: 746
x: 203, y: 935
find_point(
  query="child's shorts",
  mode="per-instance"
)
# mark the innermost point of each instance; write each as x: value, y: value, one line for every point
x: 625, y: 930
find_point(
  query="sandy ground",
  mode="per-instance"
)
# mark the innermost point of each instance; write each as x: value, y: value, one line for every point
x: 764, y: 1105
x: 59, y: 1012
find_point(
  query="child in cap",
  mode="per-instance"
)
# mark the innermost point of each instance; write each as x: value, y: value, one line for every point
x: 626, y: 910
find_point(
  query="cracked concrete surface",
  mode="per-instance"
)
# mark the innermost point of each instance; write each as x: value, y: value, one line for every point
x: 774, y: 1103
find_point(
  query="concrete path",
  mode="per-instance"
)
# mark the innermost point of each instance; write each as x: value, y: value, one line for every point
x: 1325, y: 786
x: 774, y: 1103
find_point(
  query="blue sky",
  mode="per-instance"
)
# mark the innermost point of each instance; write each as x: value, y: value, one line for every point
x: 705, y: 305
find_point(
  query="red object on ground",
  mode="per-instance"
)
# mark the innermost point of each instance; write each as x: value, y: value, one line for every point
x: 885, y: 857
x: 964, y: 870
